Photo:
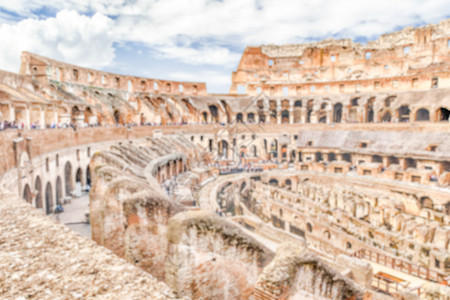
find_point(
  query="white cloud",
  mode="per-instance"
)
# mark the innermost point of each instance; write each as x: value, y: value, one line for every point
x: 199, y: 31
x: 69, y: 36
x: 198, y: 56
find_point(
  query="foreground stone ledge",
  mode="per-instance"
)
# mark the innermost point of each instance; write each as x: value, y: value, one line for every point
x: 43, y: 259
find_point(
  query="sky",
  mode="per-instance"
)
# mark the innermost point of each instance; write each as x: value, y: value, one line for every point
x: 191, y: 40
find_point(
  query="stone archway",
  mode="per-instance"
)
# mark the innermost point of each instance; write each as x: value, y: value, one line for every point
x: 26, y: 195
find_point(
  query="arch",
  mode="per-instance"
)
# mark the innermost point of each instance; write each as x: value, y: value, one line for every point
x: 38, y: 189
x: 349, y: 245
x: 369, y: 110
x: 318, y: 156
x: 403, y: 113
x: 117, y: 118
x: 442, y: 114
x: 251, y: 117
x: 327, y: 234
x: 48, y: 198
x: 59, y: 190
x: 243, y: 151
x: 274, y: 149
x: 273, y: 182
x: 309, y: 227
x: 239, y: 118
x: 285, y: 117
x: 337, y: 113
x: 298, y: 103
x: 331, y: 156
x: 426, y: 202
x: 68, y: 179
x: 204, y: 117
x: 410, y: 163
x: 214, y: 113
x: 26, y: 195
x: 79, y: 180
x: 422, y: 115
x: 76, y: 112
x: 222, y: 149
x: 288, y: 184
x: 88, y: 114
x: 284, y: 152
x: 88, y: 176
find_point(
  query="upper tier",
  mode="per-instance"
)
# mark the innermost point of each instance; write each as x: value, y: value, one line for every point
x: 45, y: 69
x: 413, y: 58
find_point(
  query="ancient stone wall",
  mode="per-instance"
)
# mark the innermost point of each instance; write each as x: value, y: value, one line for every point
x: 403, y: 60
x: 211, y: 258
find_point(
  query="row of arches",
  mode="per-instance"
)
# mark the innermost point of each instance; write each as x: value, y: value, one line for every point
x: 337, y: 113
x: 47, y: 198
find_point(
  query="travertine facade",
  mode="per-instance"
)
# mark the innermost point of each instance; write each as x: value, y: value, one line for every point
x: 339, y: 149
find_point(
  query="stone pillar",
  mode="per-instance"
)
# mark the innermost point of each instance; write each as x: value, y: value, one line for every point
x: 12, y: 113
x: 376, y: 110
x: 344, y: 117
x: 303, y: 115
x: 329, y: 116
x: 79, y: 120
x: 55, y: 116
x: 27, y: 118
x: 291, y: 112
x: 361, y: 114
x: 278, y: 112
x: 385, y: 161
x: 402, y: 163
x: 42, y: 118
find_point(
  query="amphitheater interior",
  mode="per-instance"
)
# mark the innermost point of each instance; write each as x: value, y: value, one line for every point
x: 323, y: 174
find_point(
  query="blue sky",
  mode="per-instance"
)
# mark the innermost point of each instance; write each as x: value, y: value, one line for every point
x: 192, y: 40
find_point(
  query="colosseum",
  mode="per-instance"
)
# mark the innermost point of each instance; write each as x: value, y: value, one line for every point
x: 323, y: 174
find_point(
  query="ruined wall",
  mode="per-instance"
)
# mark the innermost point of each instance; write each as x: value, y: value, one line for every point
x: 43, y: 259
x: 45, y: 69
x: 412, y: 58
x: 296, y: 273
x: 212, y: 258
x: 128, y: 208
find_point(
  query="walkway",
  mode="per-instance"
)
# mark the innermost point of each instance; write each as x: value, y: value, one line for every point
x: 74, y: 215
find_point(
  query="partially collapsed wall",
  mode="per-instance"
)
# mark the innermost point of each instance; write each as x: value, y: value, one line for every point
x: 212, y: 258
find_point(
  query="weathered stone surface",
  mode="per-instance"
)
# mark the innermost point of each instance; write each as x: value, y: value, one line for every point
x: 43, y: 259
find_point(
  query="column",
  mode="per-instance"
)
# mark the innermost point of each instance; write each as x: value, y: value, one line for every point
x: 27, y: 118
x: 291, y: 112
x: 55, y: 116
x: 42, y: 118
x: 303, y: 115
x: 12, y: 113
x: 278, y: 112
